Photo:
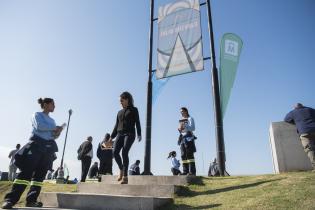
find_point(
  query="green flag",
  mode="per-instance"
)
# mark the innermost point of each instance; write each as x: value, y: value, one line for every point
x: 231, y: 46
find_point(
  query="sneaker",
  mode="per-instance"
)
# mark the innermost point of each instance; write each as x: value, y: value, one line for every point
x: 34, y: 204
x: 7, y: 205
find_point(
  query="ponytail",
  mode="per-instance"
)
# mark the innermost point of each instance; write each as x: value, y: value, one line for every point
x: 44, y: 101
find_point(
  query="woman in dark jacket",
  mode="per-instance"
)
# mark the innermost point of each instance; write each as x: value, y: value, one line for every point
x: 124, y: 131
x: 105, y: 155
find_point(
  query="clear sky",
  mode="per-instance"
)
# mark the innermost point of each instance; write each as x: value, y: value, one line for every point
x: 85, y: 53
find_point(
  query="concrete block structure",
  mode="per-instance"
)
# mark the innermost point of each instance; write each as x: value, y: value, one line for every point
x: 141, y: 193
x: 286, y: 148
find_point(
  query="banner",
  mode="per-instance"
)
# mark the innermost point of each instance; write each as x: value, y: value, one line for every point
x: 231, y: 46
x: 179, y: 39
x: 158, y: 85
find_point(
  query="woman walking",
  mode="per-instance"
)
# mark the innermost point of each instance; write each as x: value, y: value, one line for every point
x: 124, y: 131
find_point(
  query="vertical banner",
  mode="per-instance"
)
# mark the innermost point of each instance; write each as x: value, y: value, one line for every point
x: 231, y: 46
x: 179, y: 39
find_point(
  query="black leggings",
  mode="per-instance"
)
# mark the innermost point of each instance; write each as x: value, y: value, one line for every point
x: 123, y: 142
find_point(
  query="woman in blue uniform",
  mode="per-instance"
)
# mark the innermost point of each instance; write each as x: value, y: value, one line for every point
x: 186, y: 141
x: 35, y: 158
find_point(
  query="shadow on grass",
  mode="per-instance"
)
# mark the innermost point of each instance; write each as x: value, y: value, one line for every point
x: 185, y: 191
x: 196, y: 180
x: 183, y: 206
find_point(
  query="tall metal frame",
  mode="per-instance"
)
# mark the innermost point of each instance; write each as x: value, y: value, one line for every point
x: 215, y: 93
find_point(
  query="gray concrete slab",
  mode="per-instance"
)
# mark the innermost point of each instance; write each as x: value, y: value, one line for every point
x: 103, y: 202
x: 286, y: 149
x: 43, y: 208
x: 151, y: 180
x: 129, y: 189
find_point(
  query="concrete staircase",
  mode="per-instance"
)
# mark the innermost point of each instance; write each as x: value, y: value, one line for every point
x: 141, y: 193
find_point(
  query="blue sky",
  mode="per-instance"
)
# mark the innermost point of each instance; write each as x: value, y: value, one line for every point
x: 85, y: 53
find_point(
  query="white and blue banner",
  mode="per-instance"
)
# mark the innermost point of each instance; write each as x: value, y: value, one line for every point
x: 179, y: 39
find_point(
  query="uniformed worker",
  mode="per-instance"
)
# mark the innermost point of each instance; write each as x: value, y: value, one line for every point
x: 186, y: 141
x: 35, y: 158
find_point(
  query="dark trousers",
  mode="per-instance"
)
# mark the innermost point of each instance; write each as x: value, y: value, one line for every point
x: 188, y: 159
x: 106, y: 166
x: 123, y: 142
x: 35, y: 171
x: 175, y: 171
x: 86, y: 163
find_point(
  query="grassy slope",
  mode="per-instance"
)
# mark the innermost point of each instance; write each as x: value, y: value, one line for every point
x: 284, y: 191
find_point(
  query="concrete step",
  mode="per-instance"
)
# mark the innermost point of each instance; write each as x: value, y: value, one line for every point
x: 129, y: 189
x: 151, y: 180
x: 43, y: 208
x: 90, y: 201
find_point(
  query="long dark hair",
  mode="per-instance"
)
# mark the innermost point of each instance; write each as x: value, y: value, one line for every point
x: 171, y: 154
x: 107, y: 137
x: 186, y: 110
x: 128, y: 96
x: 44, y: 101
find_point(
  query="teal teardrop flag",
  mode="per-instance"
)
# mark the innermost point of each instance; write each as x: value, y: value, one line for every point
x: 231, y: 46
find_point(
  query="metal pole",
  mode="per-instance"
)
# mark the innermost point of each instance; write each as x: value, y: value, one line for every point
x: 216, y: 102
x: 61, y: 174
x: 147, y: 152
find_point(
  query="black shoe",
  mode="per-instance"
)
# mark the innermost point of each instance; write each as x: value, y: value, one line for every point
x: 7, y: 205
x: 34, y: 204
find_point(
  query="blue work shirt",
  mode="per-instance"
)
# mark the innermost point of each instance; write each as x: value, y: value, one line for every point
x: 43, y: 125
x: 175, y: 163
x: 303, y: 118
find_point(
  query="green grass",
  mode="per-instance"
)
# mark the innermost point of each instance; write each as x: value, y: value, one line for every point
x: 5, y: 187
x: 284, y: 191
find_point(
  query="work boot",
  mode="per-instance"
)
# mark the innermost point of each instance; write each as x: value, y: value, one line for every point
x: 34, y: 204
x: 7, y: 205
x: 120, y: 175
x: 124, y: 180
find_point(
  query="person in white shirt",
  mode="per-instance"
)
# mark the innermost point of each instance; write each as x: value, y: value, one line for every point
x: 12, y: 167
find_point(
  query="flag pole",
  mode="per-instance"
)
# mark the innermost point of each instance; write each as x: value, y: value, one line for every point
x: 60, y: 177
x: 216, y: 101
x: 147, y: 152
